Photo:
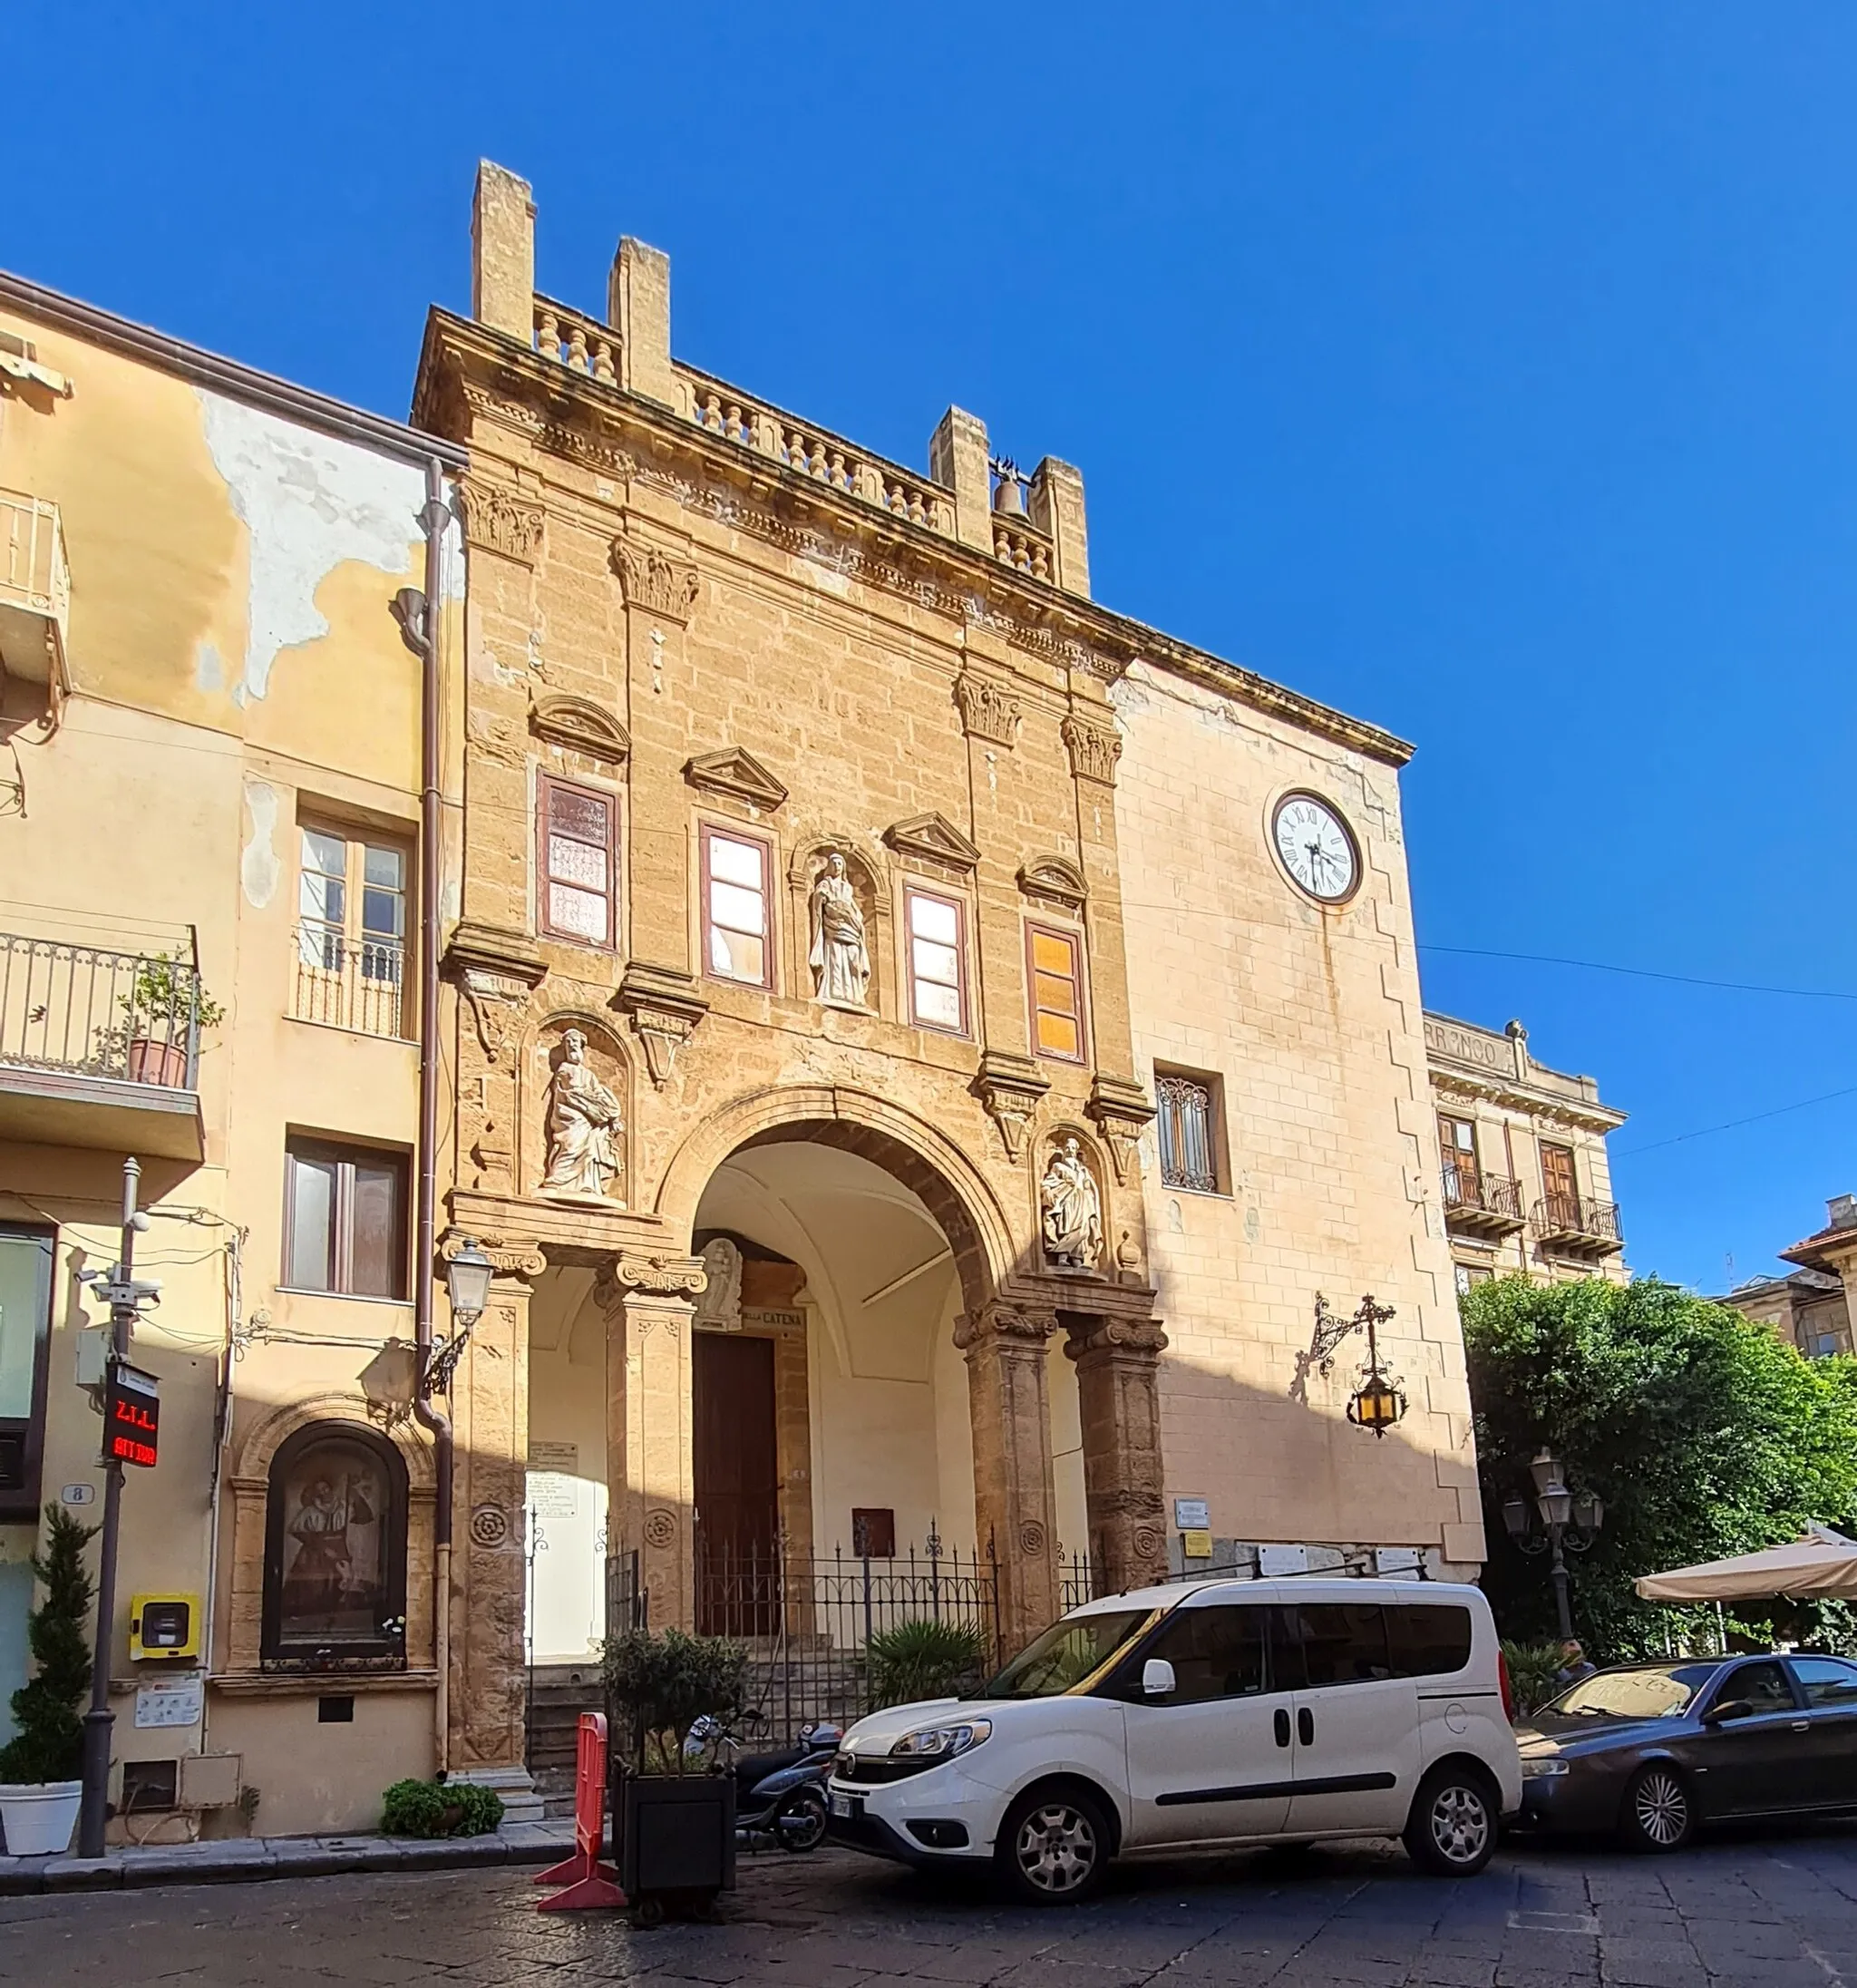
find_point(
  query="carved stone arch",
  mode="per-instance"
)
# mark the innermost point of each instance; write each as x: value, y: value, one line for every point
x: 1050, y: 1144
x: 536, y: 1063
x: 987, y: 1244
x: 580, y: 725
x: 262, y: 1442
x: 1056, y: 881
x: 871, y: 883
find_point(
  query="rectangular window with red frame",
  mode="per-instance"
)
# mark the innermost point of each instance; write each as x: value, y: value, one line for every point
x: 737, y: 930
x: 937, y: 960
x: 577, y: 835
x: 1054, y: 969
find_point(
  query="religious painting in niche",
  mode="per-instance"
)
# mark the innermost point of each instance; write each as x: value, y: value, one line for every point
x: 1070, y: 1208
x: 839, y: 958
x: 583, y: 1126
x: 335, y: 1558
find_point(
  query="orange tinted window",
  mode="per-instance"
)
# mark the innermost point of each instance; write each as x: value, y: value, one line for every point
x: 1052, y: 953
x: 1057, y: 1035
x: 1056, y: 990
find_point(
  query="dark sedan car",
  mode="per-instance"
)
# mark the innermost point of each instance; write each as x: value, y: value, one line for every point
x: 1651, y: 1751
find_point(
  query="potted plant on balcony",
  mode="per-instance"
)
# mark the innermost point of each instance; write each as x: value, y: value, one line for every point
x: 40, y: 1788
x: 669, y: 1701
x: 166, y: 1005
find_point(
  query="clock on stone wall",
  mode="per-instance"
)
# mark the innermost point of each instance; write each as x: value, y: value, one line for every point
x: 1316, y: 847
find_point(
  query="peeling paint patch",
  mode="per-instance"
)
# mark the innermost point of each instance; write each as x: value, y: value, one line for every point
x: 208, y: 671
x: 307, y: 503
x: 258, y: 867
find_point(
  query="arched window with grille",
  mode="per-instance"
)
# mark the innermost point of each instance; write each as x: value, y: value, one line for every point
x: 334, y: 1591
x: 1188, y: 1124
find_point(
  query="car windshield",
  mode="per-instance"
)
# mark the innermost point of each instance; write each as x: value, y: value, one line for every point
x: 1663, y: 1690
x: 1067, y: 1654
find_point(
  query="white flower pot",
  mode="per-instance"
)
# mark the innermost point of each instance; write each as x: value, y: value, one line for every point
x: 39, y: 1816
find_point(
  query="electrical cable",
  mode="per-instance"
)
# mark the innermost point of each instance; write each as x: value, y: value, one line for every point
x: 1733, y: 1125
x: 1644, y: 973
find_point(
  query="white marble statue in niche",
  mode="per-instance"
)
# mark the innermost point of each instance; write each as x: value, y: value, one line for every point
x: 582, y: 1128
x: 1070, y: 1209
x: 839, y: 958
x: 719, y: 1305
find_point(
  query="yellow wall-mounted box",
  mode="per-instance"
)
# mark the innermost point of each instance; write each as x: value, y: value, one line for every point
x: 163, y: 1625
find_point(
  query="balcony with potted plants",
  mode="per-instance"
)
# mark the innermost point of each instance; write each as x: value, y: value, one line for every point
x: 100, y: 1046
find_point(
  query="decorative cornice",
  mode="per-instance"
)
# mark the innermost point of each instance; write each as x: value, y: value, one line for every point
x: 1094, y: 750
x: 665, y: 1005
x: 988, y: 710
x: 1054, y: 879
x: 501, y: 521
x: 666, y: 1275
x: 935, y: 838
x: 508, y: 1259
x: 581, y: 726
x: 736, y: 771
x: 653, y: 581
x: 495, y: 949
x: 1009, y: 1086
x: 1106, y: 1338
x: 1120, y: 1110
x: 1005, y: 1325
x: 1544, y: 1105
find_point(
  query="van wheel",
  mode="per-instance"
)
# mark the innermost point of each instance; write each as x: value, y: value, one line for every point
x: 1658, y: 1812
x: 1052, y: 1847
x: 1452, y: 1830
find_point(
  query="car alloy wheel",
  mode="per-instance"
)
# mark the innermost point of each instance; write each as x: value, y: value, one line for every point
x: 1660, y: 1809
x: 1459, y: 1822
x: 1057, y: 1848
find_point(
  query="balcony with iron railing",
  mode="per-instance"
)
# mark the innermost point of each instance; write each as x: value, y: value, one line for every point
x: 1479, y: 1203
x: 100, y: 1048
x: 1578, y: 1226
x: 343, y: 982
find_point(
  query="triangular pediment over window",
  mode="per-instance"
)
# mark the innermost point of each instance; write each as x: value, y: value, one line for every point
x: 580, y: 725
x: 736, y: 771
x: 935, y: 837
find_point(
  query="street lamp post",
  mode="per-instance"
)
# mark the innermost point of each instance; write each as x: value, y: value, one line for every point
x: 1569, y: 1522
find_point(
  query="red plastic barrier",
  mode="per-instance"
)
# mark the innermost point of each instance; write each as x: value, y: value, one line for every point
x: 590, y: 1884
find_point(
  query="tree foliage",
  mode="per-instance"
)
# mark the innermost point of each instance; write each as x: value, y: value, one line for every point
x: 659, y: 1687
x: 1705, y: 1434
x: 48, y: 1707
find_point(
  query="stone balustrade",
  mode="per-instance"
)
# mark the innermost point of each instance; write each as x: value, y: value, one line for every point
x: 815, y: 453
x: 580, y: 344
x: 1021, y: 546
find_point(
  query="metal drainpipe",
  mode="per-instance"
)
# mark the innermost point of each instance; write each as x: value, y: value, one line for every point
x: 433, y: 516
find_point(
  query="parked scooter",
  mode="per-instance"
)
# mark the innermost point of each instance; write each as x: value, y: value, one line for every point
x: 779, y: 1797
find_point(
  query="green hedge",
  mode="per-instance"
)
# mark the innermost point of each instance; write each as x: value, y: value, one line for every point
x: 440, y: 1808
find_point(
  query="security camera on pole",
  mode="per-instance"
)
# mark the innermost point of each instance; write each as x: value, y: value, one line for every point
x: 131, y: 1435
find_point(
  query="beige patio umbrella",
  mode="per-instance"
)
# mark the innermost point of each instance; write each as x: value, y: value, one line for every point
x: 1822, y: 1562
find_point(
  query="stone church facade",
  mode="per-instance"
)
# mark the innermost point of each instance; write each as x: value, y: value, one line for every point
x: 790, y: 999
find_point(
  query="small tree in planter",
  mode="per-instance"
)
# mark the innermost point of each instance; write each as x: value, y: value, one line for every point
x: 921, y: 1659
x: 166, y: 1005
x: 674, y: 1811
x: 41, y: 1766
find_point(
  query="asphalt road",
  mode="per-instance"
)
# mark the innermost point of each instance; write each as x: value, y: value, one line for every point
x: 1763, y: 1911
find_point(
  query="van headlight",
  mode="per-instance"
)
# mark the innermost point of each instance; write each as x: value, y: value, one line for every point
x: 941, y: 1742
x: 1544, y: 1768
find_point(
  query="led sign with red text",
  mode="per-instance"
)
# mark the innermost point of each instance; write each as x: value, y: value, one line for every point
x: 131, y: 1418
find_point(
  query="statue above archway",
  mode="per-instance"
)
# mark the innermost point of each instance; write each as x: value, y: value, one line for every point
x: 583, y: 1126
x: 839, y: 956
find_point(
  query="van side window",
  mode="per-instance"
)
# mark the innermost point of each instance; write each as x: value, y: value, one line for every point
x: 1216, y: 1652
x: 1427, y: 1639
x: 1343, y: 1642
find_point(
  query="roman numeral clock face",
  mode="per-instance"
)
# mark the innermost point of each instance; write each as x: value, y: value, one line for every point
x: 1316, y: 847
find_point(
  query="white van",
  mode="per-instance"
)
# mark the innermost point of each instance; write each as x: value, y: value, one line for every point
x: 1197, y: 1715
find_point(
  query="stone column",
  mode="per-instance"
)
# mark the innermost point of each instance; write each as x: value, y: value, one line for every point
x: 1118, y: 1363
x: 1015, y: 1499
x: 651, y: 1502
x: 490, y: 1412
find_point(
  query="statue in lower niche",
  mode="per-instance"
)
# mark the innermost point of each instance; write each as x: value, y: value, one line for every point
x: 582, y: 1127
x: 840, y: 959
x: 1070, y: 1209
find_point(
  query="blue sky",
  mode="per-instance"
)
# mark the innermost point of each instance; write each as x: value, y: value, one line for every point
x: 1488, y: 371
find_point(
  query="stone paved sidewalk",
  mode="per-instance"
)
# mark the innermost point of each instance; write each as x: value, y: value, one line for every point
x: 1747, y: 1911
x: 244, y: 1860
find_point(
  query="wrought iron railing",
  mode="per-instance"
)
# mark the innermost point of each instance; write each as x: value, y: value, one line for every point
x: 349, y: 983
x: 1476, y: 1192
x: 90, y: 1011
x: 1573, y: 1216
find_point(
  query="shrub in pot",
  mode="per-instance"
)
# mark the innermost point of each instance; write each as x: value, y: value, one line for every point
x: 440, y: 1808
x: 165, y: 1005
x: 41, y: 1766
x: 668, y: 1698
x: 1534, y: 1674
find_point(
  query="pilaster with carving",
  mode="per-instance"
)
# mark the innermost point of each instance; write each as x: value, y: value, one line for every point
x: 1120, y: 1110
x: 648, y: 1304
x: 1010, y: 1087
x: 1015, y: 1499
x: 490, y: 1415
x: 1118, y: 1364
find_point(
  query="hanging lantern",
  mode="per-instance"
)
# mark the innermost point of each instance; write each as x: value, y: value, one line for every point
x: 1376, y: 1404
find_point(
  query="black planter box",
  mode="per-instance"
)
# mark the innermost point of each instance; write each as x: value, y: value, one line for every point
x: 674, y: 1833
